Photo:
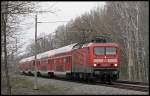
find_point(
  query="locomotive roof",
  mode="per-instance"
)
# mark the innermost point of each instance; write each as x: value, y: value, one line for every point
x: 103, y: 44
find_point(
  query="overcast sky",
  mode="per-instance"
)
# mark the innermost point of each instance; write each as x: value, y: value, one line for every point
x: 65, y: 11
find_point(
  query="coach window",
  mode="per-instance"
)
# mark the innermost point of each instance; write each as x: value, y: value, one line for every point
x: 69, y: 59
x: 49, y: 61
x: 65, y: 60
x: 38, y: 62
x: 52, y: 61
x: 33, y: 63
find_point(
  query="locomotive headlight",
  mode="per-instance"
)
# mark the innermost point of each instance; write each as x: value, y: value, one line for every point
x: 115, y: 65
x: 95, y: 65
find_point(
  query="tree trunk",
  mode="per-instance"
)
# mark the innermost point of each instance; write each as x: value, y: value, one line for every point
x: 4, y: 21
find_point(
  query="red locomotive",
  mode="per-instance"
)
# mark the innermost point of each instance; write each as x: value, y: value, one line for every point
x: 94, y: 60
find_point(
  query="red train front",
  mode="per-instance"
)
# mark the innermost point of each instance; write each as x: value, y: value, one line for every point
x: 105, y: 60
x: 96, y: 60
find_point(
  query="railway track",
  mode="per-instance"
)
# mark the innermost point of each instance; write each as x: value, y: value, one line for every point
x: 131, y: 82
x: 140, y: 86
x: 143, y: 87
x: 130, y: 85
x: 137, y: 86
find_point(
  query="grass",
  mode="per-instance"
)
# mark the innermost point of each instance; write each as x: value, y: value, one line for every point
x: 20, y: 82
x: 22, y: 85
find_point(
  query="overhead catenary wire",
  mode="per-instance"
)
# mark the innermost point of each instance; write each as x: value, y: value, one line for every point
x: 53, y: 22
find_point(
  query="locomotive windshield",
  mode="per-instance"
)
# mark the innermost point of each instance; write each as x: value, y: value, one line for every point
x: 99, y: 51
x: 110, y: 51
x: 105, y: 51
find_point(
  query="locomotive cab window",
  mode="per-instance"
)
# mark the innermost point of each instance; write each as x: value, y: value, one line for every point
x: 99, y: 51
x: 110, y: 51
x: 105, y: 51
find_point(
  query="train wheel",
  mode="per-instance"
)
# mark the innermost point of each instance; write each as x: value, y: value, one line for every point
x: 103, y: 81
x: 30, y: 74
x: 80, y: 76
x: 74, y: 76
x: 50, y: 75
x: 23, y: 73
x: 68, y: 76
x: 109, y: 80
x: 110, y: 83
x: 91, y: 78
x: 38, y: 74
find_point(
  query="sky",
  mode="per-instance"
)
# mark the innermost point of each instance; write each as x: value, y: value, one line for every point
x: 64, y: 11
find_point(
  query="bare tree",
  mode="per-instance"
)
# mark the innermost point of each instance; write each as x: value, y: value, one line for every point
x: 9, y: 11
x: 126, y: 17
